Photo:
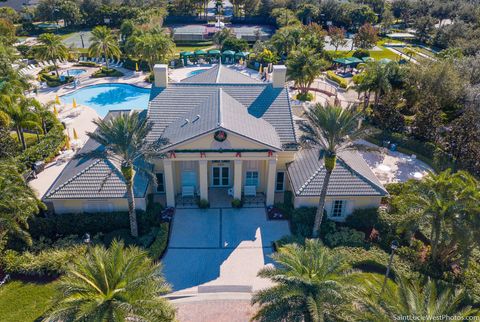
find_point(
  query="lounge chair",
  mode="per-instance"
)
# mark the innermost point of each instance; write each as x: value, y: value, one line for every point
x: 250, y: 191
x: 40, y: 64
x: 120, y: 65
x: 188, y: 191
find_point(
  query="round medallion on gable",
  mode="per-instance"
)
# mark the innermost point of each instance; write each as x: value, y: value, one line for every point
x: 220, y: 136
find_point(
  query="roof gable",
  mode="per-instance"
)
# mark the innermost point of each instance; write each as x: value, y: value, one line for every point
x: 220, y: 74
x: 351, y: 176
x: 221, y: 111
x: 260, y: 102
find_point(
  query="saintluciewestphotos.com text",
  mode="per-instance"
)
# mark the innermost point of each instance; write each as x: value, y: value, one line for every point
x: 435, y: 318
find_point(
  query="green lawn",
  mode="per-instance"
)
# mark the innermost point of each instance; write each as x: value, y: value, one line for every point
x: 20, y: 301
x: 192, y: 47
x: 30, y: 138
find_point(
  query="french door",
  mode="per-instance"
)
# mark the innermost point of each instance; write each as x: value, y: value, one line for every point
x: 220, y: 176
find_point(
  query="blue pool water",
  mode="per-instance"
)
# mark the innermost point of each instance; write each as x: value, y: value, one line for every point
x: 196, y: 72
x: 105, y: 97
x: 74, y: 72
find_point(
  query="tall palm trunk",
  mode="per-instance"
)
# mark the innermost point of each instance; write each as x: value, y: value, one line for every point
x: 21, y: 137
x: 436, y: 237
x: 329, y: 166
x: 105, y: 54
x: 129, y: 174
x: 56, y: 67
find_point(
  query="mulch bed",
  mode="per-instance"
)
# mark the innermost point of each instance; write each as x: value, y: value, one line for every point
x: 275, y: 213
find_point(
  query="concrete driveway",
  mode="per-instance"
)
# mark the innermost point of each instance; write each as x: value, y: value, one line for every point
x: 220, y: 250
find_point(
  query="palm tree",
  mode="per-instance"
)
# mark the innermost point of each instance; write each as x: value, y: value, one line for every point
x: 125, y: 140
x: 52, y: 48
x: 115, y: 284
x: 18, y: 203
x: 310, y: 285
x: 152, y: 47
x: 103, y: 42
x: 332, y: 129
x: 434, y: 202
x: 376, y: 78
x: 410, y: 53
x: 304, y: 65
x: 22, y: 116
x: 416, y: 297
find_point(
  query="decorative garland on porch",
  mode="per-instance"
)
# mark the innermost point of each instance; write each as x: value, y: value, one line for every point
x: 203, y: 153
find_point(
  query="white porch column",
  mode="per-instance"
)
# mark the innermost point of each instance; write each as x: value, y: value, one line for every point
x: 271, y: 174
x: 203, y: 174
x: 237, y: 179
x: 169, y: 185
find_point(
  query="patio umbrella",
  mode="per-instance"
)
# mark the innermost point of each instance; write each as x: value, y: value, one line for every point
x: 260, y: 70
x: 136, y: 67
x: 75, y: 135
x: 200, y: 52
x: 228, y: 53
x: 67, y: 143
x: 341, y: 61
x: 354, y: 60
x: 55, y: 112
x: 186, y: 54
x: 74, y: 103
x: 57, y: 100
x: 242, y: 54
x: 214, y: 52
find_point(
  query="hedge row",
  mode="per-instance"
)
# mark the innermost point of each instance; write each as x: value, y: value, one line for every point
x: 160, y: 244
x: 342, y: 82
x: 92, y: 223
x: 51, y: 262
x: 45, y: 150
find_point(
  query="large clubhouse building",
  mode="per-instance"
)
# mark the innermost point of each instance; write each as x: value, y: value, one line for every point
x: 229, y: 136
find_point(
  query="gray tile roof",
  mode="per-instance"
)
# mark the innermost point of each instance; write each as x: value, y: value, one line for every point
x: 91, y: 178
x: 220, y: 74
x: 221, y: 111
x: 254, y: 104
x: 351, y: 176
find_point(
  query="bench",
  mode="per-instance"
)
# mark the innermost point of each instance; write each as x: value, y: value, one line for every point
x: 188, y: 191
x: 250, y: 191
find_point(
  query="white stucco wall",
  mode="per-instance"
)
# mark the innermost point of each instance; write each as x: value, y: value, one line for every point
x: 352, y: 203
x: 95, y: 205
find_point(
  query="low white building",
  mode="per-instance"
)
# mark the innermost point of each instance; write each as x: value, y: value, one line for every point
x: 230, y: 136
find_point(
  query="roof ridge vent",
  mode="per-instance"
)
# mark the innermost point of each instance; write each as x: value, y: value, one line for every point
x: 186, y: 122
x: 196, y: 118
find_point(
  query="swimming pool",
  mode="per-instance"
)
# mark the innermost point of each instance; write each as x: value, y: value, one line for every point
x: 73, y: 72
x: 196, y: 72
x: 105, y: 97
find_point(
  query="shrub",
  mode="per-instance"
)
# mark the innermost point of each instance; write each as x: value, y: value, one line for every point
x: 237, y: 203
x: 54, y: 80
x: 302, y: 221
x: 345, y: 236
x: 146, y: 240
x: 86, y: 64
x: 363, y: 219
x: 45, y: 150
x: 342, y: 82
x: 104, y: 72
x: 51, y: 262
x: 360, y: 53
x: 290, y: 239
x: 131, y: 64
x: 306, y: 97
x: 158, y: 247
x: 203, y: 204
x: 119, y: 234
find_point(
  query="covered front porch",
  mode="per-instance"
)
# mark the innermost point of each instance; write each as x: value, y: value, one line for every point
x: 249, y: 178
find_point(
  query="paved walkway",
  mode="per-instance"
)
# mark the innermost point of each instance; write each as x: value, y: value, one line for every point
x: 220, y: 250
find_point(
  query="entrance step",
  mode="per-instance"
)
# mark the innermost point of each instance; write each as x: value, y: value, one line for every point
x: 225, y: 289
